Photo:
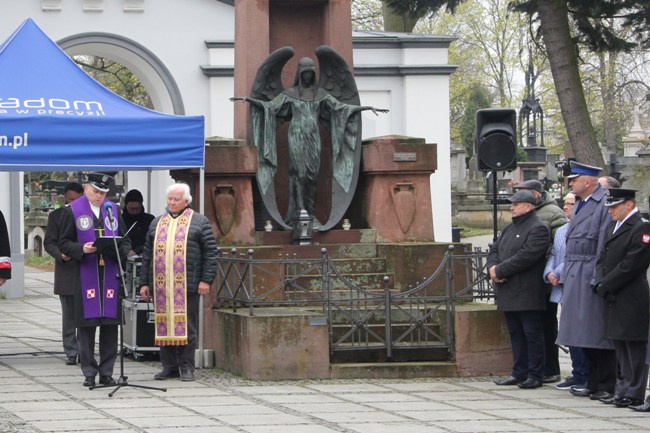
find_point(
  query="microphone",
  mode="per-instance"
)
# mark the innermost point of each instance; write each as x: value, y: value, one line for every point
x: 109, y: 211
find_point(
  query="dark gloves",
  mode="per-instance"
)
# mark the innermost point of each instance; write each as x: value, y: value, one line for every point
x: 609, y: 297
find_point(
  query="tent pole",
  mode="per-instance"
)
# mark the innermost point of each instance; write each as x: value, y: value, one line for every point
x: 149, y: 190
x: 202, y: 211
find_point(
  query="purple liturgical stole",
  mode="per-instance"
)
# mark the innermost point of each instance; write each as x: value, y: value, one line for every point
x: 96, y: 304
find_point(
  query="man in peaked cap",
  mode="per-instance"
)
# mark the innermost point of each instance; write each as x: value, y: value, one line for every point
x: 516, y: 263
x: 621, y: 280
x: 96, y: 287
x: 582, y: 322
x: 553, y: 216
x: 100, y: 181
x: 580, y: 169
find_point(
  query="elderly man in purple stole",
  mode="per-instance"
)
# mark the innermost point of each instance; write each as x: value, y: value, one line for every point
x: 180, y: 261
x: 97, y: 289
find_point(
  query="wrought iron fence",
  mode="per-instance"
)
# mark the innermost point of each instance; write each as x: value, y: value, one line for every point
x: 373, y: 317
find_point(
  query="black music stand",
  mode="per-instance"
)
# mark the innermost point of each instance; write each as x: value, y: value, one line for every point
x: 122, y: 381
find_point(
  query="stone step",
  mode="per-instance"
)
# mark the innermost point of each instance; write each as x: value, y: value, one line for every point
x: 343, y: 251
x: 360, y: 265
x: 392, y: 370
x: 369, y: 282
x: 397, y: 329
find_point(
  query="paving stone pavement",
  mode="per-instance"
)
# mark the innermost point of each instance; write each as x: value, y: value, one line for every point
x: 39, y: 393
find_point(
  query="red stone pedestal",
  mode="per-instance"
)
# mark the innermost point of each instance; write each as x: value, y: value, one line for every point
x: 397, y: 193
x: 230, y: 169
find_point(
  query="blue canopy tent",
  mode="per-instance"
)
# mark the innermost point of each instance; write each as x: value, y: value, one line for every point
x: 55, y: 117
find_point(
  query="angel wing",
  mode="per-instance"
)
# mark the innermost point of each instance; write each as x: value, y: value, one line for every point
x: 337, y: 80
x: 266, y: 86
x: 268, y: 79
x: 336, y: 77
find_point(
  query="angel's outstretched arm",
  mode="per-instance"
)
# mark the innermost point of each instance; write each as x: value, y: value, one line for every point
x: 373, y: 109
x: 253, y: 101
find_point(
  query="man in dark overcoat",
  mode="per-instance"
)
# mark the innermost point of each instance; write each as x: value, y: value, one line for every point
x: 515, y: 263
x: 621, y: 279
x: 553, y: 216
x: 97, y: 288
x: 582, y: 319
x: 65, y: 273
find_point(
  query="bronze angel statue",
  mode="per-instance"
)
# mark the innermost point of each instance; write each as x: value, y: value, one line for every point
x: 331, y: 104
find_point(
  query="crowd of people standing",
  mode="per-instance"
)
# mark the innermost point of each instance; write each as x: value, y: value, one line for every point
x: 90, y: 241
x: 594, y: 257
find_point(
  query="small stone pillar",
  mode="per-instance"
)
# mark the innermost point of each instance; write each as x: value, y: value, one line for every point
x: 397, y: 191
x: 230, y: 168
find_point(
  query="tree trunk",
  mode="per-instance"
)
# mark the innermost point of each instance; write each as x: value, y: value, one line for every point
x: 561, y: 51
x: 608, y: 92
x: 396, y: 22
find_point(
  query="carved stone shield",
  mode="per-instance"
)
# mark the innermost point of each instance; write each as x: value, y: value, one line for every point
x: 404, y: 204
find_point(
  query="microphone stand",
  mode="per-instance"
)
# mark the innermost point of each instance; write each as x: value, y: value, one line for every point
x: 123, y: 380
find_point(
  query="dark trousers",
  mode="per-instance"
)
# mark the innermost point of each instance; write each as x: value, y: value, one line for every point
x: 527, y: 339
x: 579, y: 364
x: 630, y: 356
x: 602, y: 369
x: 68, y: 327
x: 549, y: 323
x: 107, y: 350
x: 174, y: 358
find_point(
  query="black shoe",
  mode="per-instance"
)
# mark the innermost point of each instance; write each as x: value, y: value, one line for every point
x: 611, y: 400
x: 71, y: 360
x: 627, y: 401
x: 90, y: 381
x: 552, y: 378
x: 508, y: 381
x: 530, y: 384
x: 643, y: 407
x: 167, y: 374
x: 581, y: 392
x: 599, y: 395
x: 187, y: 376
x: 107, y: 380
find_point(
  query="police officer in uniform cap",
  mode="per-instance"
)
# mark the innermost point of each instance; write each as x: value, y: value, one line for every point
x: 582, y: 322
x: 97, y: 289
x: 621, y: 279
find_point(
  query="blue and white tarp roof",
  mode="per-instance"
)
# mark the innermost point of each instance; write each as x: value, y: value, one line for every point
x: 55, y: 117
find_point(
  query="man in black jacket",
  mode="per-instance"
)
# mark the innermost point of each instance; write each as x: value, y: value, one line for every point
x: 136, y: 220
x: 65, y: 271
x: 180, y: 242
x: 621, y: 279
x: 553, y: 216
x: 516, y: 263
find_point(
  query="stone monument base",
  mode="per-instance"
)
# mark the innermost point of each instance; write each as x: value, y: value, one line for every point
x: 292, y: 343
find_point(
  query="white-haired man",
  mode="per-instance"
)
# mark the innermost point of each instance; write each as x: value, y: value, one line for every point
x: 179, y: 242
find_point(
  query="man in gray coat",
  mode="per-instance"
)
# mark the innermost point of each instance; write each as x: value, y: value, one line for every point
x: 515, y: 263
x: 65, y: 273
x: 582, y: 322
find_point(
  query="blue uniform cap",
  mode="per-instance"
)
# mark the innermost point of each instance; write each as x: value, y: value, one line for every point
x: 580, y: 169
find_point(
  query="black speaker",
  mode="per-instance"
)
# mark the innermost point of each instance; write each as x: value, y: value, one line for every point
x: 496, y: 142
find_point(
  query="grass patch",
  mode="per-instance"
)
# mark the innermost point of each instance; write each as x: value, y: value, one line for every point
x: 45, y: 263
